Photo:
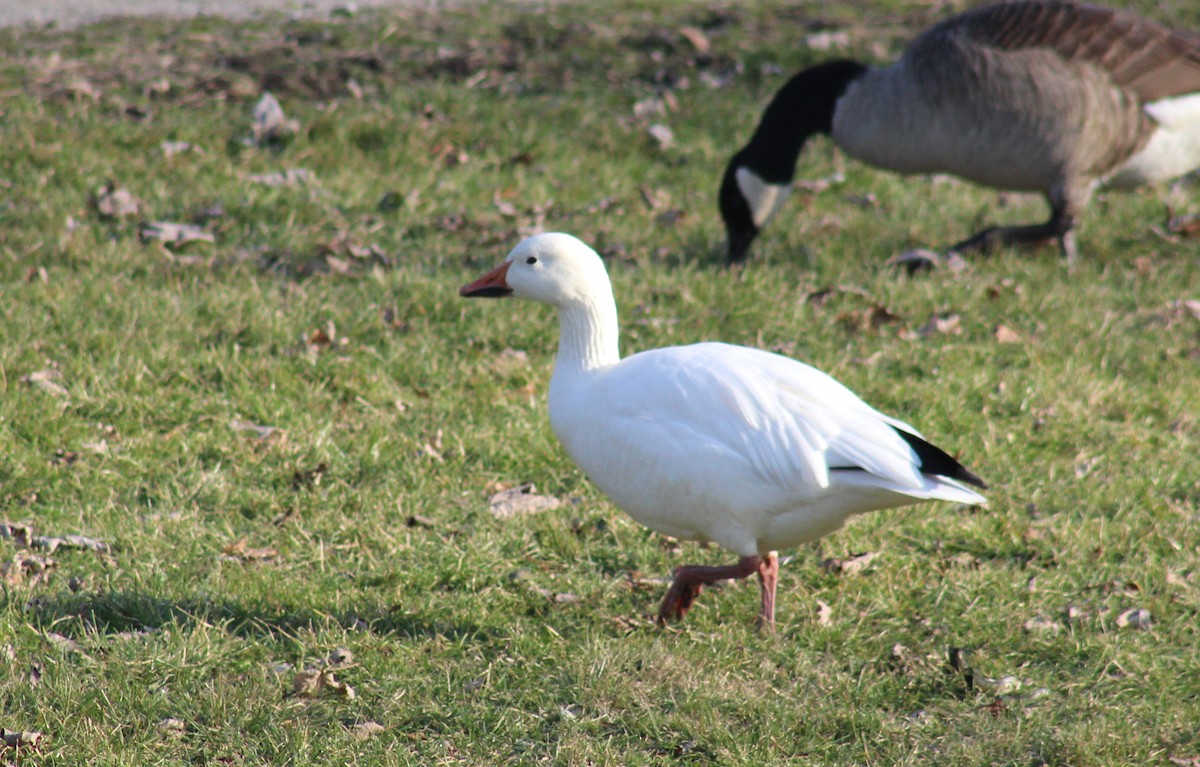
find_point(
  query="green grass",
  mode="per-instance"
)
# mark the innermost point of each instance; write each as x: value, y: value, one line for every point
x: 1087, y: 428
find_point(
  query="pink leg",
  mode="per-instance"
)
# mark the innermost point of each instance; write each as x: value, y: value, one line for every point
x: 690, y: 578
x: 768, y: 576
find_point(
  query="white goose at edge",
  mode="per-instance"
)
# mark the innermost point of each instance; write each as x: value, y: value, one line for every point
x: 712, y: 442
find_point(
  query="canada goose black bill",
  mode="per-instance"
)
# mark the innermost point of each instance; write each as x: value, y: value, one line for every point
x: 1053, y: 97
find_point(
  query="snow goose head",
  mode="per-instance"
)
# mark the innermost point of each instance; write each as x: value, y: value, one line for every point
x: 553, y: 268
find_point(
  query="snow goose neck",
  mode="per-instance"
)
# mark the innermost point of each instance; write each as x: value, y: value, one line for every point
x: 1052, y: 97
x: 713, y: 442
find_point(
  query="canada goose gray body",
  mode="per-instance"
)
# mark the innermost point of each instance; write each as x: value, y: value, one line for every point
x: 1051, y: 97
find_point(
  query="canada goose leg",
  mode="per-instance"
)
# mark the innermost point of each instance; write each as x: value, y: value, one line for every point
x: 689, y: 579
x: 1059, y: 227
x: 768, y: 576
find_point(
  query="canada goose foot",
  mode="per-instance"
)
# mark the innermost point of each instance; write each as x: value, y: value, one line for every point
x: 921, y: 260
x: 1057, y: 228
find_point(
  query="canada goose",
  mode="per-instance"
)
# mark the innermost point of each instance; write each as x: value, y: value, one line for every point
x: 1054, y: 97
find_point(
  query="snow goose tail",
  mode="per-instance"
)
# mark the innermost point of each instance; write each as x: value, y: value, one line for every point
x: 712, y: 442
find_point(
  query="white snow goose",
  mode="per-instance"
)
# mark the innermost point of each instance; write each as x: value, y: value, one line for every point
x: 714, y: 442
x: 1053, y: 97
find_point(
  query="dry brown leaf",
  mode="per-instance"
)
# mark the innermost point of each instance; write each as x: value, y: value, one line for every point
x: 824, y: 614
x: 242, y: 551
x: 663, y: 136
x: 46, y: 380
x: 1135, y: 617
x: 1006, y: 335
x: 306, y: 480
x: 1040, y: 624
x: 286, y: 178
x: 260, y: 432
x: 507, y: 504
x: 82, y: 542
x: 827, y: 40
x: 365, y: 730
x: 697, y: 38
x: 21, y: 741
x: 28, y: 570
x: 1185, y: 225
x: 81, y: 88
x: 172, y: 728
x: 871, y: 318
x: 942, y: 324
x: 647, y: 108
x: 269, y: 120
x: 340, y: 656
x: 312, y: 683
x: 112, y: 201
x: 173, y: 235
x: 172, y: 148
x: 852, y: 566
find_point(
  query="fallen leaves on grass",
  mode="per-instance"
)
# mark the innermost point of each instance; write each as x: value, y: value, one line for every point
x: 697, y: 38
x: 827, y: 40
x: 942, y: 324
x: 172, y: 148
x: 46, y: 380
x: 270, y: 123
x: 22, y: 535
x: 292, y: 177
x: 1003, y: 685
x: 364, y: 730
x: 307, y: 480
x: 663, y: 136
x: 263, y: 433
x: 173, y: 235
x: 1188, y: 307
x: 1185, y: 225
x: 313, y: 683
x: 522, y: 499
x: 1136, y: 618
x: 871, y: 318
x: 21, y: 740
x: 1041, y: 624
x: 824, y: 614
x: 172, y: 728
x: 851, y: 566
x: 28, y: 570
x: 1006, y: 335
x: 241, y: 551
x: 112, y: 201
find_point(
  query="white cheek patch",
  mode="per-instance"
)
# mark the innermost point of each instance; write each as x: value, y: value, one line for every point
x: 764, y: 199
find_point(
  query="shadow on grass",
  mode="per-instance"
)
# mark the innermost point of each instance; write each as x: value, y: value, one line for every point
x: 115, y: 612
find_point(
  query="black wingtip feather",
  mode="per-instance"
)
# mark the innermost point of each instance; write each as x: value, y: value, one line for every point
x: 934, y: 460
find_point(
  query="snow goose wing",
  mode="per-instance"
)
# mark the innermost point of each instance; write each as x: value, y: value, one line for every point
x: 713, y: 442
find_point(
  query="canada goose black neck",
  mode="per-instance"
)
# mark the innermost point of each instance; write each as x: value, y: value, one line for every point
x: 803, y: 107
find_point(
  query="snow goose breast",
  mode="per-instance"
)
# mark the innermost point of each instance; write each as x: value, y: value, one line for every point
x: 713, y: 442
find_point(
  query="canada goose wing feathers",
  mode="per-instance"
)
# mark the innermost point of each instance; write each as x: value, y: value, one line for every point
x: 1151, y: 60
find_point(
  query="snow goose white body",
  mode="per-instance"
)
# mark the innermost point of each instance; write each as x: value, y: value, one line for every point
x: 713, y: 442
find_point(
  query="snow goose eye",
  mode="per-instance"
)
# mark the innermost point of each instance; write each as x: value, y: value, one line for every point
x: 531, y: 260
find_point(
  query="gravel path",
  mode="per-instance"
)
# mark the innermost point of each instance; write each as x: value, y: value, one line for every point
x: 70, y: 13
